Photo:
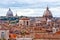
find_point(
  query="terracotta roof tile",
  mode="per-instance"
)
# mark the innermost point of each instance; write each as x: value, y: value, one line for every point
x: 58, y: 33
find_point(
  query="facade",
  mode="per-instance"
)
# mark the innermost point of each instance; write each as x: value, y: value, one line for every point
x: 4, y: 33
x: 24, y: 21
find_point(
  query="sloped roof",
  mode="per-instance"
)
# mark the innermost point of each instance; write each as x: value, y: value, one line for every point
x: 57, y: 33
x: 24, y: 18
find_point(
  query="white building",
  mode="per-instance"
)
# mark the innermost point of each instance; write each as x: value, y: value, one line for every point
x: 4, y: 33
x: 24, y: 21
x: 55, y: 29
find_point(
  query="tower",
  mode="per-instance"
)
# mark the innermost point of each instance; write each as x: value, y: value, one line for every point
x: 16, y: 15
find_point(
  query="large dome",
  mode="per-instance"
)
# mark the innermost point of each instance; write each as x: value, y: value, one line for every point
x: 47, y: 13
x: 9, y: 13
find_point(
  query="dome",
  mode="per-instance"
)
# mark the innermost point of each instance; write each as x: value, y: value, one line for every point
x: 9, y: 13
x: 47, y: 13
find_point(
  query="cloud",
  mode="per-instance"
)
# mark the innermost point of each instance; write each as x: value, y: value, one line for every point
x: 30, y: 12
x: 28, y: 3
x: 29, y: 7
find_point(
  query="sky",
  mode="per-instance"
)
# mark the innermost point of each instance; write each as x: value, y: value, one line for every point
x: 30, y: 7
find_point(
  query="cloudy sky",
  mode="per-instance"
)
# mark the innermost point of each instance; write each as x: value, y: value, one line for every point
x: 29, y: 7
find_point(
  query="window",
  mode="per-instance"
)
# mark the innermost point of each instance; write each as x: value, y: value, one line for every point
x: 2, y: 34
x: 24, y: 22
x: 27, y: 22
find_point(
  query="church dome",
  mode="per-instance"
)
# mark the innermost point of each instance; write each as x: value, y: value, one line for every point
x: 47, y: 13
x: 9, y: 13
